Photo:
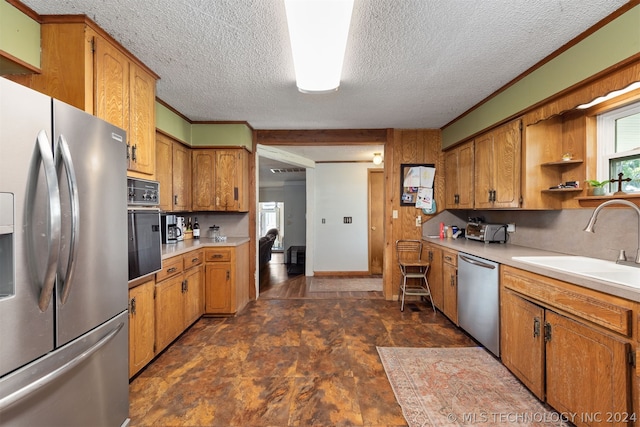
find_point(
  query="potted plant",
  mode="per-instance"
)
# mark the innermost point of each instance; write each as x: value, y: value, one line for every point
x: 597, y: 187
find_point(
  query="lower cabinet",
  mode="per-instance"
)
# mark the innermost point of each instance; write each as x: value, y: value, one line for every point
x: 227, y: 279
x: 572, y: 347
x: 434, y: 275
x: 450, y: 284
x: 141, y: 326
x: 179, y: 296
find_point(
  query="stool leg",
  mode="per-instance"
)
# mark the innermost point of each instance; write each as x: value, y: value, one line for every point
x: 430, y: 295
x: 404, y: 286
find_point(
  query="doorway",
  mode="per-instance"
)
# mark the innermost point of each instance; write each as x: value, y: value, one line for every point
x: 376, y: 220
x: 271, y: 215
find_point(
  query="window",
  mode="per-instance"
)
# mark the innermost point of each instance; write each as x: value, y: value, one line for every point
x: 619, y: 146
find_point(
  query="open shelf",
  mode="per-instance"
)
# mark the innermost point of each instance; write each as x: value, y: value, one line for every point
x: 562, y: 190
x: 563, y: 162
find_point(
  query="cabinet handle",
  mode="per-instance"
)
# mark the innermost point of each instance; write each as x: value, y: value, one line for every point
x: 448, y: 258
x: 228, y: 275
x: 134, y: 152
x: 547, y: 332
x: 453, y: 280
x: 217, y: 255
x: 456, y: 199
x: 430, y: 256
x: 132, y: 306
x: 194, y: 260
x: 172, y: 270
x: 185, y: 286
x: 175, y: 199
x: 536, y: 327
x: 128, y: 148
x: 235, y: 193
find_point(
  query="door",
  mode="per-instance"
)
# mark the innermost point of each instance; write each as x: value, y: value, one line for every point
x: 522, y: 341
x: 578, y: 355
x: 91, y: 286
x: 376, y: 220
x: 27, y: 330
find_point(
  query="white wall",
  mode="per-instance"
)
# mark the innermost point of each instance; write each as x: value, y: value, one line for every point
x: 341, y: 191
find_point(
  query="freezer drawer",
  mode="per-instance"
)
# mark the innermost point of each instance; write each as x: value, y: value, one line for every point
x: 94, y: 392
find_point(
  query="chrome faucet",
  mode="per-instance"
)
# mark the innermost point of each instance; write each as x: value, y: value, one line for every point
x: 592, y: 222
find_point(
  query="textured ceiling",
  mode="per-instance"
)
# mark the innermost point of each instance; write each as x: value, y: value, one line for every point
x: 408, y: 64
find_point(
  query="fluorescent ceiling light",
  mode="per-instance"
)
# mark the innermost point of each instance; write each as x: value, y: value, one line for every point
x: 318, y: 30
x: 632, y: 86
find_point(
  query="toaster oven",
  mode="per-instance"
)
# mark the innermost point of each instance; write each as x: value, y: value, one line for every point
x: 490, y: 233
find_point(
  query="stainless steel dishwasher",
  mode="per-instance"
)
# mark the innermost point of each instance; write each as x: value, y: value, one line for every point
x: 478, y: 302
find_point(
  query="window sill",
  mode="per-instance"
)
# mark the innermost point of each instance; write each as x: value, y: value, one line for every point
x: 593, y: 201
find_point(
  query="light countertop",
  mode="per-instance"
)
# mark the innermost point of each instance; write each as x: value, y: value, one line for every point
x: 184, y: 246
x: 502, y: 253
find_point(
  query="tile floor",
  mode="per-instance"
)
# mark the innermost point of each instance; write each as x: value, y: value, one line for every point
x: 287, y: 361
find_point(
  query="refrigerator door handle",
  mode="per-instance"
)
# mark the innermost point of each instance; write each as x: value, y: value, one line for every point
x: 41, y: 382
x: 63, y: 155
x: 43, y: 154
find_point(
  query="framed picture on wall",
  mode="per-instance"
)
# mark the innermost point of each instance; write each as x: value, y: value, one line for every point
x: 415, y: 179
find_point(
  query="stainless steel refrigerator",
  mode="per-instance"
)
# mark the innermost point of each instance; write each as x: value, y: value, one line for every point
x: 63, y: 265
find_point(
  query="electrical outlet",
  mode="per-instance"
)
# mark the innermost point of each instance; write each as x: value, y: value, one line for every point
x: 418, y: 221
x: 394, y: 214
x: 511, y: 228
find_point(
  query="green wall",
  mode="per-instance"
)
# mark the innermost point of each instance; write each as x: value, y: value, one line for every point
x: 203, y: 134
x: 613, y: 43
x: 19, y: 35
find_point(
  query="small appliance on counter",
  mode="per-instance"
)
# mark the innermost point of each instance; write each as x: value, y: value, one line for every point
x: 181, y: 228
x: 483, y: 232
x: 169, y: 228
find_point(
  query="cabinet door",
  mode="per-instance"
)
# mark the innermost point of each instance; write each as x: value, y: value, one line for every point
x: 465, y: 176
x: 169, y: 311
x: 181, y: 177
x: 522, y: 340
x: 587, y: 371
x: 202, y: 163
x: 434, y: 275
x: 164, y: 171
x: 193, y: 302
x: 227, y: 175
x: 218, y: 292
x: 141, y: 326
x: 483, y: 171
x: 451, y: 196
x: 112, y: 85
x: 450, y: 291
x: 141, y: 133
x: 506, y: 167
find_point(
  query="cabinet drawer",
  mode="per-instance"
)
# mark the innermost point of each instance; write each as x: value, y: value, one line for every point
x: 605, y: 310
x: 450, y: 257
x: 170, y: 267
x: 192, y: 259
x: 218, y: 255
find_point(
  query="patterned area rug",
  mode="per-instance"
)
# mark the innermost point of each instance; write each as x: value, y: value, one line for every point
x: 346, y: 284
x: 460, y: 386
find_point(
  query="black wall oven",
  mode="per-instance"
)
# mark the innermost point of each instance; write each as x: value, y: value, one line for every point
x: 143, y: 223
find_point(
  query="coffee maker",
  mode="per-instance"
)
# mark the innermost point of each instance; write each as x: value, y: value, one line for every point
x: 181, y: 228
x: 169, y: 228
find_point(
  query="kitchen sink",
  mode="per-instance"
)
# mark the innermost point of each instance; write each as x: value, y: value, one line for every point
x: 589, y: 267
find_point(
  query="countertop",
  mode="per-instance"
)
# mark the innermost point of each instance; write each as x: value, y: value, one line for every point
x: 502, y: 253
x: 184, y: 246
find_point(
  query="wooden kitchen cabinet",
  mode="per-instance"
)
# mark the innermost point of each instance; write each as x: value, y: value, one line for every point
x: 141, y: 326
x: 434, y: 275
x: 173, y: 172
x: 450, y: 284
x: 169, y: 311
x: 227, y: 279
x: 179, y: 296
x: 220, y: 179
x: 497, y: 167
x: 84, y: 66
x: 557, y: 338
x: 458, y: 169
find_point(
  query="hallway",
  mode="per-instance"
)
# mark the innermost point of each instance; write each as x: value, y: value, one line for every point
x: 290, y: 360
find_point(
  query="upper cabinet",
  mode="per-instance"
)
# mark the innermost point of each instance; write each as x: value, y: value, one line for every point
x: 83, y: 66
x: 458, y: 167
x: 497, y: 167
x: 220, y: 179
x: 173, y: 172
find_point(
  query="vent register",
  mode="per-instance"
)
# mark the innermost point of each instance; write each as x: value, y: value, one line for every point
x: 287, y: 170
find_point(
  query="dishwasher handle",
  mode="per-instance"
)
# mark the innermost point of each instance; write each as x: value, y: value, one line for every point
x: 478, y: 263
